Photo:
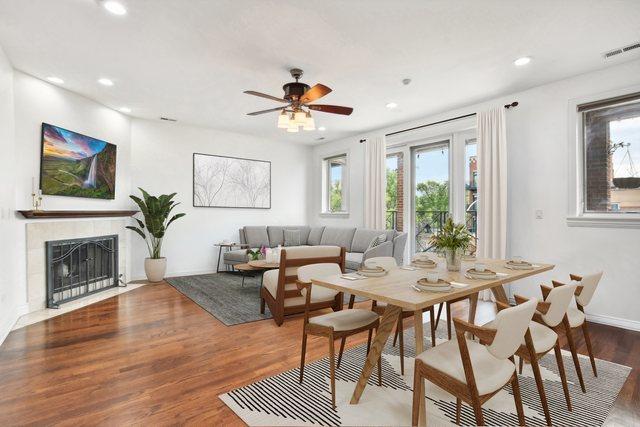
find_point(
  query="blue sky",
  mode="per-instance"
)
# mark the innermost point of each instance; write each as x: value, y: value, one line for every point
x: 627, y: 131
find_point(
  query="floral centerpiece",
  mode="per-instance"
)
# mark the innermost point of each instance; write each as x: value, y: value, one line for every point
x: 453, y: 240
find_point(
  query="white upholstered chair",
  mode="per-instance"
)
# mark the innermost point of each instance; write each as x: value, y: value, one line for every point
x: 586, y: 287
x: 389, y: 263
x: 338, y: 324
x: 541, y: 339
x: 471, y: 371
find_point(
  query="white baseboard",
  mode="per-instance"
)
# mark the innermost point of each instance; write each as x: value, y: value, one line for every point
x: 10, y: 319
x: 632, y: 325
x: 177, y: 274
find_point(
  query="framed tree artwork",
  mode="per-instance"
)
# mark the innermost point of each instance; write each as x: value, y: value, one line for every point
x: 231, y: 182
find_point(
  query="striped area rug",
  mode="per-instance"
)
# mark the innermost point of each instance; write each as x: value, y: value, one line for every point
x: 280, y: 400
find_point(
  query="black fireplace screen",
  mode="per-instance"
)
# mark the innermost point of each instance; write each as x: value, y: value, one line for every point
x: 80, y: 267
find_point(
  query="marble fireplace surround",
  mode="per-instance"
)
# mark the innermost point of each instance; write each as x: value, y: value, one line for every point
x: 40, y: 232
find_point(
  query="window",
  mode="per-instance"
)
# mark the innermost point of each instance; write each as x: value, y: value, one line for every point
x: 611, y: 155
x: 395, y: 191
x: 471, y: 186
x: 335, y: 185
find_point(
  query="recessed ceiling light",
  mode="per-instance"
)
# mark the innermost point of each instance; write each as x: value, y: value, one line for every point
x: 522, y: 61
x: 105, y: 82
x: 391, y: 105
x: 115, y: 7
x: 56, y: 80
x: 125, y: 109
x: 322, y: 128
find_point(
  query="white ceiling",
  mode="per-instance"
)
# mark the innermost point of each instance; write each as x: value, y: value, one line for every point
x: 191, y: 60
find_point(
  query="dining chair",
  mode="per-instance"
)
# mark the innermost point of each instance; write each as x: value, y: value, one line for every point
x: 389, y: 263
x: 334, y: 325
x: 540, y: 339
x: 577, y: 319
x: 475, y: 372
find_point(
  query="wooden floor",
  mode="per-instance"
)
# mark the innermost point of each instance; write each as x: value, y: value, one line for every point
x: 151, y: 356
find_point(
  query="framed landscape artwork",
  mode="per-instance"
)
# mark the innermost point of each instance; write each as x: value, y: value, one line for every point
x: 76, y: 165
x: 231, y: 182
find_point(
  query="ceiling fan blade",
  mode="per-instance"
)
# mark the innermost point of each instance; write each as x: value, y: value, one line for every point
x: 270, y: 110
x: 264, y: 95
x: 335, y: 109
x: 316, y: 92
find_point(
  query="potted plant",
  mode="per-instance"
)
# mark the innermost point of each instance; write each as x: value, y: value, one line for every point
x: 453, y: 239
x: 156, y: 212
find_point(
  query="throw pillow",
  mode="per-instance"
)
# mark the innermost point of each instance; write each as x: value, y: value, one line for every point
x: 378, y: 240
x: 292, y: 237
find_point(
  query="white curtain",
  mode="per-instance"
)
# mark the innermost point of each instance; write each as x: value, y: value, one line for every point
x: 492, y: 186
x: 375, y: 182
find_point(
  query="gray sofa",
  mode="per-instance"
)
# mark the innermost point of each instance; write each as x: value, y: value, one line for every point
x: 356, y: 241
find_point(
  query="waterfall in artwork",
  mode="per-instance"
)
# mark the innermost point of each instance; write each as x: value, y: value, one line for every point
x: 90, y: 182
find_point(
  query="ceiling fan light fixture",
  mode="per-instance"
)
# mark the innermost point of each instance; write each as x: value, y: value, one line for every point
x: 283, y: 120
x: 309, y: 123
x: 293, y: 127
x: 300, y: 117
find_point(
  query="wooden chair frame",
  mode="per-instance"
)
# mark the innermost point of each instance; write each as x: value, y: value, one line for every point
x: 463, y: 392
x: 326, y: 331
x: 528, y: 353
x: 400, y: 328
x: 276, y: 304
x: 584, y: 327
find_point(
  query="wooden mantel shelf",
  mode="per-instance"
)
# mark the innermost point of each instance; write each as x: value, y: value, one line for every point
x: 75, y: 214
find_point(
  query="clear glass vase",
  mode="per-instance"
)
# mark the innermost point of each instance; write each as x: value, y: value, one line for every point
x: 453, y: 258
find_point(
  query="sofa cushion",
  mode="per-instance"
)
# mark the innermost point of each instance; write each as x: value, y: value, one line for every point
x: 338, y: 236
x: 364, y: 236
x: 256, y: 235
x: 315, y: 236
x: 239, y: 255
x: 291, y: 237
x: 276, y: 235
x: 353, y: 260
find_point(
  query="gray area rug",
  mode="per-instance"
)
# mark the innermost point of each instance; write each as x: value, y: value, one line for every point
x: 280, y: 400
x: 223, y: 296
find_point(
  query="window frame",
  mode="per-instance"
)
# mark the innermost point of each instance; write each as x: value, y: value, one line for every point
x: 326, y: 184
x: 577, y: 215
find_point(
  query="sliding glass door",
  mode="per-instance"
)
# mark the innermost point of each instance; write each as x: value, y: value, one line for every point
x: 430, y: 191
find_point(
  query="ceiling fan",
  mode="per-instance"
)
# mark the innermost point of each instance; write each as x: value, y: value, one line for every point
x: 298, y: 97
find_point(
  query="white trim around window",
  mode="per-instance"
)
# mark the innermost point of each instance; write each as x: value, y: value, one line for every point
x: 326, y: 184
x: 576, y: 216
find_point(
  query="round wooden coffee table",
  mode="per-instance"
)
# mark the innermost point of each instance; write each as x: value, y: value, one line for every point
x: 263, y: 265
x: 257, y: 265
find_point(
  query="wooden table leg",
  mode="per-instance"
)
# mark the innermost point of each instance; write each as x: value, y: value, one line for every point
x: 473, y: 305
x: 500, y: 294
x: 389, y: 319
x: 419, y: 334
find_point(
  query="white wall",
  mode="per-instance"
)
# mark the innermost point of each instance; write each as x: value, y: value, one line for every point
x: 163, y: 163
x: 34, y: 102
x: 537, y: 132
x: 11, y: 294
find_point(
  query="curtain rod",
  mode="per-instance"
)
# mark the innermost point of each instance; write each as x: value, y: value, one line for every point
x: 513, y: 104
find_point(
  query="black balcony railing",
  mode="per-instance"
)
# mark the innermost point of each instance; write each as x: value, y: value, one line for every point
x: 428, y: 223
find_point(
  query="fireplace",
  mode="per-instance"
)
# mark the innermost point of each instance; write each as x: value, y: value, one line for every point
x: 80, y: 267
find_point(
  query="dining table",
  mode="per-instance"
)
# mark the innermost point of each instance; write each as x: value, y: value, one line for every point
x: 397, y: 289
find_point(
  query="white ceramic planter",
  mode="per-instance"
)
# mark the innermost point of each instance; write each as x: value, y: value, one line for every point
x: 155, y: 269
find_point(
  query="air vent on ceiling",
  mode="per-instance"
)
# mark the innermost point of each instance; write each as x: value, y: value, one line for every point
x: 167, y: 119
x: 621, y: 50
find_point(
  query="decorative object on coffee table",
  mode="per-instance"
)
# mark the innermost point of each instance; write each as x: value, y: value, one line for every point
x: 453, y: 239
x: 156, y: 212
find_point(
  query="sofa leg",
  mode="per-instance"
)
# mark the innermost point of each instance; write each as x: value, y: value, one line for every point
x: 261, y: 305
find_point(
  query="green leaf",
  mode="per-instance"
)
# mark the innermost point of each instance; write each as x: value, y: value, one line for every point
x: 137, y: 230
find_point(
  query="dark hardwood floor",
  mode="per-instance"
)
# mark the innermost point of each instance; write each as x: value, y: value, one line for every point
x: 151, y: 356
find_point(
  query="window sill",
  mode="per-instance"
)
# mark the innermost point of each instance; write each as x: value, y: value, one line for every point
x: 605, y: 221
x: 334, y: 214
